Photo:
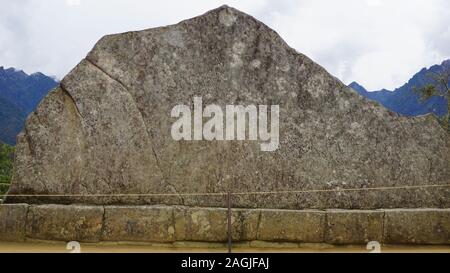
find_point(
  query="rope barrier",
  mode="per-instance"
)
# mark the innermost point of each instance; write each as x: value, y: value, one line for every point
x: 235, y: 193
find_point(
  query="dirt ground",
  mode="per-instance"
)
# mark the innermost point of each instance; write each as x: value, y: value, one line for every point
x: 39, y: 247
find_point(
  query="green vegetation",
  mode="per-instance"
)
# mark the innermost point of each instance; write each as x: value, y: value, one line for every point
x: 6, y: 165
x: 439, y: 86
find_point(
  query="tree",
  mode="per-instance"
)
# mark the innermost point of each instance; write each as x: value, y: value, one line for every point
x: 439, y: 86
x: 6, y: 166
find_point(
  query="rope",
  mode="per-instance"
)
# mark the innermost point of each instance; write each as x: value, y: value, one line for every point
x: 236, y: 193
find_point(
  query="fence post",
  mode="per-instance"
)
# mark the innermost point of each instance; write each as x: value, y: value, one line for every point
x: 229, y: 220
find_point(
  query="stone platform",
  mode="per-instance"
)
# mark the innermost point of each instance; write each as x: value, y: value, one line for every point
x: 171, y: 224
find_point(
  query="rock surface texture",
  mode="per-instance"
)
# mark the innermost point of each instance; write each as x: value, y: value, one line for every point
x: 107, y: 128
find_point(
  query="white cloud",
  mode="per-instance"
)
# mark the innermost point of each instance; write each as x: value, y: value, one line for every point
x: 73, y: 2
x: 378, y: 43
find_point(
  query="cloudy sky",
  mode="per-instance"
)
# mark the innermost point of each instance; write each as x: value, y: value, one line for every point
x: 379, y: 43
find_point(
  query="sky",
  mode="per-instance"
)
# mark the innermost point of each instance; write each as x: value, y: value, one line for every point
x: 378, y: 43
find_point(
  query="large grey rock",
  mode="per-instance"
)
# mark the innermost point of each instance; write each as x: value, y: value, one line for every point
x: 106, y: 129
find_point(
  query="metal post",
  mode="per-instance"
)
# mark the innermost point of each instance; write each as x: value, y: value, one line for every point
x: 229, y: 220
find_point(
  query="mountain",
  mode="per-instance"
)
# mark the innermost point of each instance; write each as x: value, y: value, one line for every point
x: 25, y: 91
x: 12, y: 120
x: 404, y: 100
x: 20, y: 93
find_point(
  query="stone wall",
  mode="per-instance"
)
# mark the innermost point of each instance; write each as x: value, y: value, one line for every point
x: 169, y: 224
